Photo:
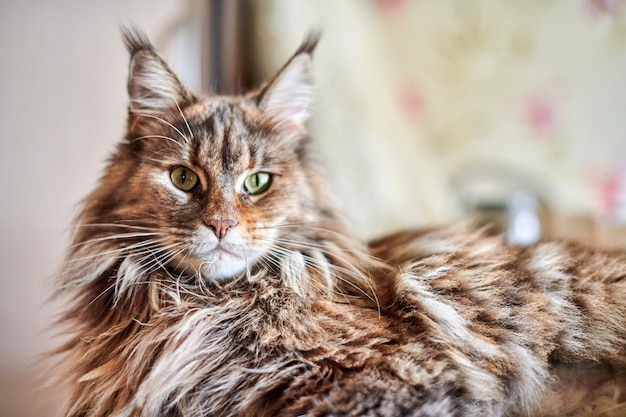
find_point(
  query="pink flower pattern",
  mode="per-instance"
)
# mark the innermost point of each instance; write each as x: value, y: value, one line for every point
x: 601, y: 9
x: 392, y: 7
x: 541, y: 114
x: 612, y: 187
x: 411, y: 102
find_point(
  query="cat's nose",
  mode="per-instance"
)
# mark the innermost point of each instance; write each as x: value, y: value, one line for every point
x: 220, y: 226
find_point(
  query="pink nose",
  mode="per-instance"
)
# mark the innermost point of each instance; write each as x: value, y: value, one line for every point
x: 220, y: 227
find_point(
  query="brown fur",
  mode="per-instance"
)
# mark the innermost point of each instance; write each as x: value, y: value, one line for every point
x: 294, y: 316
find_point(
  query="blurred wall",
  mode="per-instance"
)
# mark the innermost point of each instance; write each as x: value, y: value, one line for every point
x: 416, y: 101
x: 62, y: 107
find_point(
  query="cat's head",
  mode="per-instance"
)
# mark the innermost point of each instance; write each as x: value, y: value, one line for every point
x: 207, y: 185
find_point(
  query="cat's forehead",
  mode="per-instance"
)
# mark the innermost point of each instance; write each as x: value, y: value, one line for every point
x: 218, y: 112
x: 215, y: 117
x: 205, y: 107
x: 226, y: 131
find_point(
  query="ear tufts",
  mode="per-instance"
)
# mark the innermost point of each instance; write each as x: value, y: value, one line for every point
x: 136, y: 40
x: 287, y: 98
x: 153, y: 87
x: 309, y: 44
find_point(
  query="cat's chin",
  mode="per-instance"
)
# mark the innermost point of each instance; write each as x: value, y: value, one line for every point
x: 223, y: 259
x: 223, y: 266
x: 217, y: 264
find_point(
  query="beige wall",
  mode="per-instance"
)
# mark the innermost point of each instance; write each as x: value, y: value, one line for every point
x: 419, y: 100
x: 62, y: 106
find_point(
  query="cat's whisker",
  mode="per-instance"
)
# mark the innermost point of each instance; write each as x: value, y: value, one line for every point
x: 186, y: 254
x: 154, y: 255
x: 287, y: 252
x: 157, y: 260
x: 311, y: 226
x: 120, y: 225
x: 339, y: 272
x: 140, y: 266
x: 323, y: 246
x: 270, y: 259
x: 201, y: 282
x: 179, y: 287
x: 119, y: 237
x: 247, y: 270
x: 321, y: 270
x: 101, y: 256
x: 126, y: 286
x: 175, y: 285
x: 103, y: 292
x: 156, y: 158
x: 145, y: 245
x: 184, y: 119
x: 265, y: 262
x: 163, y: 263
x: 308, y: 225
x: 160, y: 119
x: 160, y: 137
x: 289, y: 225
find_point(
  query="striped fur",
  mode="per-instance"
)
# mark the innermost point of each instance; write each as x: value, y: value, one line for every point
x: 283, y: 313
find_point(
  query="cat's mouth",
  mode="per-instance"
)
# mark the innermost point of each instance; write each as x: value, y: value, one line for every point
x: 222, y: 249
x: 220, y: 263
x: 220, y: 260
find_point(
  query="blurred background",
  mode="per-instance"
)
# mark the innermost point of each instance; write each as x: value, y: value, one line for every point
x: 427, y: 111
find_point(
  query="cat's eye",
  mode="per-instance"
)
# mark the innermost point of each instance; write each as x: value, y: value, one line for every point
x: 257, y: 183
x: 184, y: 179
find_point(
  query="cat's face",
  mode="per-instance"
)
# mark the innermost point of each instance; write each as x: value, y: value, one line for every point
x: 208, y: 185
x: 221, y: 188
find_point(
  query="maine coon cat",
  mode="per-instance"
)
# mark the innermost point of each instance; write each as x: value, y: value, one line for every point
x: 210, y: 275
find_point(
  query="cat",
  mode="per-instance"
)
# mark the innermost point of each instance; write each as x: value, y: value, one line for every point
x: 210, y: 275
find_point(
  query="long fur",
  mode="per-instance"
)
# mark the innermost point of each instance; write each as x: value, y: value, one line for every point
x: 287, y: 314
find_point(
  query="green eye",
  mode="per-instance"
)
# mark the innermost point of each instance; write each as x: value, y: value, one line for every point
x: 184, y: 179
x: 257, y: 183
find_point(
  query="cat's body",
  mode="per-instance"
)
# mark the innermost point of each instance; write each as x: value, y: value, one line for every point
x: 210, y: 276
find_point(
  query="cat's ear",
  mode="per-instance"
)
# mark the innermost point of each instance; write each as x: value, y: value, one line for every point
x: 288, y: 97
x: 153, y: 87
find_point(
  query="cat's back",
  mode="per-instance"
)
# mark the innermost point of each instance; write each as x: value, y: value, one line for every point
x: 537, y: 319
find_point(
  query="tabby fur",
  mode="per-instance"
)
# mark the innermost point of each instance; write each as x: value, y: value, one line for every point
x: 284, y: 313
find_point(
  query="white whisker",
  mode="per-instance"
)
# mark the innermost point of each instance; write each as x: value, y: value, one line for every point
x: 185, y: 119
x: 166, y: 123
x: 145, y: 244
x: 120, y: 236
x: 160, y: 137
x: 329, y: 269
x: 103, y: 292
x: 121, y: 225
x: 155, y: 255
